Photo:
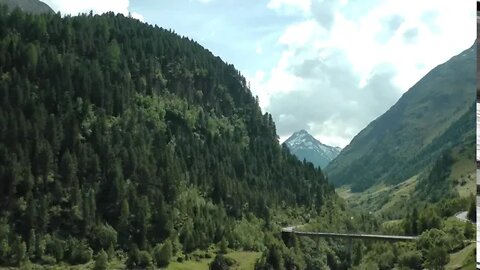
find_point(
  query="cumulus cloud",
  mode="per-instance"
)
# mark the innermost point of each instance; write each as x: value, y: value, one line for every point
x: 98, y: 7
x: 410, y: 35
x: 324, y: 12
x: 347, y: 62
x: 331, y: 103
x: 288, y: 6
x: 394, y: 22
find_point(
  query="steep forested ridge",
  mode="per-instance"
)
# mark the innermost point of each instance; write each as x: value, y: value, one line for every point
x: 115, y: 134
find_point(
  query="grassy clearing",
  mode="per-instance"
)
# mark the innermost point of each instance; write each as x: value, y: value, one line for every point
x: 387, y: 199
x: 62, y: 266
x: 463, y: 174
x: 462, y: 259
x: 383, y: 199
x: 344, y: 192
x: 361, y: 198
x: 400, y: 193
x: 245, y: 260
x: 188, y: 265
x: 380, y: 197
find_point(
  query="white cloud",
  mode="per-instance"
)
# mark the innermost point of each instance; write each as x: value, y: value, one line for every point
x: 97, y: 6
x: 419, y: 37
x: 299, y: 34
x: 289, y: 6
x: 137, y: 16
x: 259, y: 49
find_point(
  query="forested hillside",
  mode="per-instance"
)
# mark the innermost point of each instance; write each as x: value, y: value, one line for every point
x: 118, y: 135
x: 413, y: 167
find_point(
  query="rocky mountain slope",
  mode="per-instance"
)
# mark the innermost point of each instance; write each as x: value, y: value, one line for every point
x: 305, y: 146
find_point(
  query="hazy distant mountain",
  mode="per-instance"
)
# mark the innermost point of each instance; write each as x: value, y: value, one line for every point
x: 31, y: 6
x: 437, y: 113
x: 305, y: 146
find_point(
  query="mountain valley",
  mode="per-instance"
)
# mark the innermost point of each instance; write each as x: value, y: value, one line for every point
x: 124, y: 145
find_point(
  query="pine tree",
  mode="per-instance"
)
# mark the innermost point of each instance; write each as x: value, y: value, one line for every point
x: 163, y: 254
x: 101, y: 261
x: 472, y: 210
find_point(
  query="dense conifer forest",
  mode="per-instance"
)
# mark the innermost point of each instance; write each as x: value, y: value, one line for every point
x: 118, y: 135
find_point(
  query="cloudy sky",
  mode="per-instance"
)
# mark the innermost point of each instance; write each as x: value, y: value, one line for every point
x: 330, y: 67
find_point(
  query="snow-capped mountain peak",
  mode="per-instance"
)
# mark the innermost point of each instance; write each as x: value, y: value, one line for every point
x: 304, y: 145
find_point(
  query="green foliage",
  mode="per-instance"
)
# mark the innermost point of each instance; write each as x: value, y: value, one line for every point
x: 4, y: 243
x: 221, y: 262
x: 278, y: 256
x: 139, y: 259
x: 163, y: 253
x: 469, y: 230
x: 101, y: 261
x: 48, y: 260
x: 434, y: 245
x: 369, y: 265
x: 410, y: 223
x: 248, y: 233
x: 383, y: 255
x: 420, y: 221
x: 144, y: 259
x: 472, y: 210
x: 78, y: 252
x: 54, y: 247
x: 436, y: 258
x: 435, y: 186
x: 223, y: 249
x: 104, y: 237
x: 455, y: 234
x: 411, y: 260
x: 431, y: 238
x: 113, y: 54
x: 19, y: 251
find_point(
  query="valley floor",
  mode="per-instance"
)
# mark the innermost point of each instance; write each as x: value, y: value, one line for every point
x: 460, y: 259
x: 244, y: 260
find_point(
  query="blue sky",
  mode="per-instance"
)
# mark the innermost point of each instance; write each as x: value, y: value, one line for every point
x: 235, y: 30
x: 327, y: 66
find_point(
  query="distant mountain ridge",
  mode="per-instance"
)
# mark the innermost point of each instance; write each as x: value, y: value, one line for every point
x: 305, y: 146
x: 436, y: 114
x: 30, y: 6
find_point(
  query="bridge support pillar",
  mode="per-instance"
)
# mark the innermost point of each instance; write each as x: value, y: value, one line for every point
x: 288, y: 239
x: 349, y: 250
